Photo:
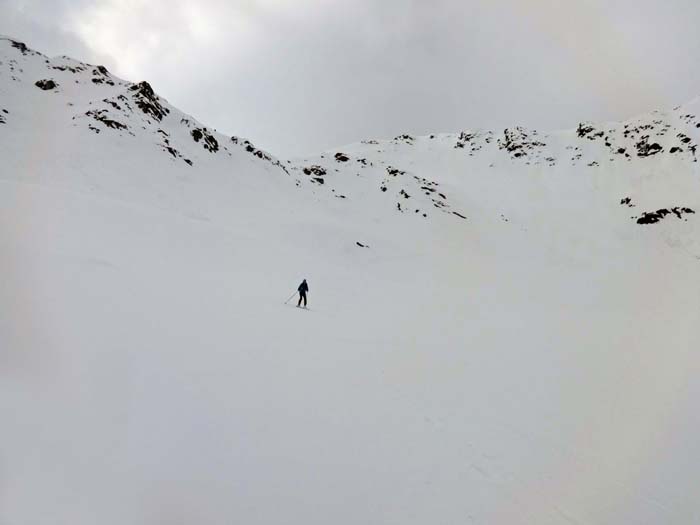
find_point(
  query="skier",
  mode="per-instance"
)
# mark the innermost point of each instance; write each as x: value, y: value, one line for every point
x: 303, y: 288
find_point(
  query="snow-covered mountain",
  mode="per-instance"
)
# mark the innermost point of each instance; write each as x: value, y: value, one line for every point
x: 414, y: 165
x: 503, y: 327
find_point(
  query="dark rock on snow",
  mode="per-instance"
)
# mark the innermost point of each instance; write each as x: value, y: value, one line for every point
x: 655, y: 216
x: 46, y: 84
x: 148, y: 101
x: 208, y: 141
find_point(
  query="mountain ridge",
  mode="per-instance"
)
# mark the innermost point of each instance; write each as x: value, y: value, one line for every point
x: 429, y: 178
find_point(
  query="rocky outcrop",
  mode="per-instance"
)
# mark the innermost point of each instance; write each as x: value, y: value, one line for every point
x: 656, y: 216
x: 101, y: 76
x: 208, y: 141
x: 520, y: 142
x: 46, y: 84
x: 645, y: 149
x: 250, y: 148
x: 21, y: 47
x: 101, y: 116
x: 316, y: 173
x: 148, y: 101
x: 405, y: 138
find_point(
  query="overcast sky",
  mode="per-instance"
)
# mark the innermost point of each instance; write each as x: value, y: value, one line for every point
x: 301, y: 76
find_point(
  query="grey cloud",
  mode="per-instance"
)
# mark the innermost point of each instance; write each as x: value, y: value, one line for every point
x: 303, y: 77
x: 42, y: 26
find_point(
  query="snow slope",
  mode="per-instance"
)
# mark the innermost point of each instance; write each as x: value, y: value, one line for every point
x: 530, y: 360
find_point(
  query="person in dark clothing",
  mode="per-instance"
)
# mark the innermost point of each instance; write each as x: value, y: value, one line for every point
x: 303, y: 288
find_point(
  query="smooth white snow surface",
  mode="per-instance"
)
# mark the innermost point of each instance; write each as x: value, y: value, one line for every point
x: 534, y: 363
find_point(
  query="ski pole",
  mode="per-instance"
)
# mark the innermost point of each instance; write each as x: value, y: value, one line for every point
x: 290, y: 297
